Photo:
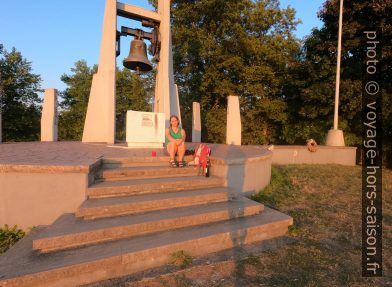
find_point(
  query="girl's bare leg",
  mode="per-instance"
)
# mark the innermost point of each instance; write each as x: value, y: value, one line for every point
x: 181, y: 151
x: 172, y: 149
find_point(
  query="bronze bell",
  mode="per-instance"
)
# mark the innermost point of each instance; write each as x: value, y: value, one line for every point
x: 137, y: 59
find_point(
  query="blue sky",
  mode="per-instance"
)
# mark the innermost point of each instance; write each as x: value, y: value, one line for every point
x: 54, y: 34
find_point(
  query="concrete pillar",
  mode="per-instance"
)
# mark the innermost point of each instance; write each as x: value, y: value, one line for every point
x: 177, y: 102
x: 49, y: 120
x: 100, y: 124
x: 1, y: 125
x: 1, y: 111
x: 335, y: 138
x: 196, y: 123
x: 165, y: 100
x: 233, y: 129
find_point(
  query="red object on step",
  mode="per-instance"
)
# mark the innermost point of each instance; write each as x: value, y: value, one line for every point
x: 153, y: 153
x: 202, y: 155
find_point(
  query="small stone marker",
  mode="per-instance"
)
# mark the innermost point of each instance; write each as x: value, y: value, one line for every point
x: 49, y: 119
x: 233, y: 128
x: 196, y: 123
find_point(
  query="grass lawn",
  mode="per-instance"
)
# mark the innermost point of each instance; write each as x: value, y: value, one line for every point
x: 325, y: 202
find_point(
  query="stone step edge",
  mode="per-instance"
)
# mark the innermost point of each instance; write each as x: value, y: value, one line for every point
x: 89, y: 213
x: 130, y: 263
x: 145, y: 159
x: 138, y: 164
x: 126, y: 190
x: 111, y: 179
x: 134, y: 204
x: 57, y: 243
x: 146, y: 168
x: 123, y: 174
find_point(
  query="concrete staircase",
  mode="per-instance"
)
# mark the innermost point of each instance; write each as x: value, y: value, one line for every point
x: 138, y: 212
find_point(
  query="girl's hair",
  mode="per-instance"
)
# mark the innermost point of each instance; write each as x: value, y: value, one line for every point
x: 174, y: 116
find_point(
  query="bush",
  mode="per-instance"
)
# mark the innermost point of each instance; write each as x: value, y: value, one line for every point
x: 181, y: 259
x: 9, y: 237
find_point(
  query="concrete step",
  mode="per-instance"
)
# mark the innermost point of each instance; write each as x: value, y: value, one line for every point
x: 115, y: 206
x: 139, y: 161
x: 69, y: 232
x: 124, y: 173
x: 151, y: 185
x: 23, y: 266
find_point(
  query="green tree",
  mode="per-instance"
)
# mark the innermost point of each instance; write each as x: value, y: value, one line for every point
x: 227, y: 47
x: 74, y: 101
x: 311, y: 90
x: 19, y: 104
x: 134, y: 92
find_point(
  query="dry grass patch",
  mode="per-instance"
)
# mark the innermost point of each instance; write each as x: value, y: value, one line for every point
x: 325, y: 202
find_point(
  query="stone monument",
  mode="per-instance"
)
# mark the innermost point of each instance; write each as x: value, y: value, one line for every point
x: 146, y: 130
x: 100, y: 118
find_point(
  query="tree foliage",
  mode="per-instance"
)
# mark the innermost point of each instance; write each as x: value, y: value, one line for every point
x: 20, y: 100
x: 75, y: 100
x: 245, y: 49
x: 316, y: 73
x: 133, y: 93
x: 287, y: 94
x: 311, y: 91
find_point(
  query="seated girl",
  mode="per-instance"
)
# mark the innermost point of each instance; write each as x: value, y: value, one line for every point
x: 175, y: 142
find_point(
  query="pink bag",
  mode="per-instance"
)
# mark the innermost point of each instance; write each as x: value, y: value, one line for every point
x: 202, y: 158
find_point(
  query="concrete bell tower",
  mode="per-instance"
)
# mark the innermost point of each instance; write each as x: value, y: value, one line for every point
x: 100, y: 123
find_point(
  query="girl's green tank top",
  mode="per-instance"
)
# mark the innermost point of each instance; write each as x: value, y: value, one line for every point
x: 174, y: 135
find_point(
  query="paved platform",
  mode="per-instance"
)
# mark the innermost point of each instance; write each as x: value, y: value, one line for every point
x: 50, y: 179
x: 78, y: 157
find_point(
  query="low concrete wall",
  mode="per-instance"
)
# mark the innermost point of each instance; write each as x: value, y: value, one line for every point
x: 247, y: 176
x: 324, y: 155
x: 32, y: 199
